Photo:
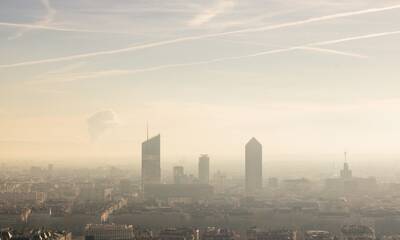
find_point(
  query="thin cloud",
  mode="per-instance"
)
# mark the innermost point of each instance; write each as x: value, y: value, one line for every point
x: 311, y: 46
x: 46, y: 24
x: 45, y: 21
x: 99, y: 122
x: 192, y: 38
x: 210, y: 13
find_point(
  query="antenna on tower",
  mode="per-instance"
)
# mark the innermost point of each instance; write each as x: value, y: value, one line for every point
x: 345, y: 157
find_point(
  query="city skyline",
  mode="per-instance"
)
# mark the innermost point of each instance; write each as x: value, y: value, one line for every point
x: 199, y: 120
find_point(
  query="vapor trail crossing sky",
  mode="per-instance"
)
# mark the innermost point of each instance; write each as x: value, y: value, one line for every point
x: 303, y: 77
x: 310, y: 46
x: 192, y: 38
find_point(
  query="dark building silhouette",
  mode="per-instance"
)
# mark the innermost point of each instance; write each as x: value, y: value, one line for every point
x: 253, y: 166
x: 204, y: 169
x: 151, y: 170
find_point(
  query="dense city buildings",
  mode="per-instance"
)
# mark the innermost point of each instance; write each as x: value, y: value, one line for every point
x: 253, y: 166
x: 357, y: 232
x: 178, y: 192
x: 34, y: 234
x: 151, y: 169
x: 204, y: 169
x: 179, y: 234
x: 318, y: 235
x: 109, y: 232
x: 214, y: 233
x: 278, y: 234
x: 105, y: 202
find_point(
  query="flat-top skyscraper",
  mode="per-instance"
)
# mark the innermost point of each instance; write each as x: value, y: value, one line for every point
x: 204, y: 168
x: 253, y: 166
x: 151, y: 170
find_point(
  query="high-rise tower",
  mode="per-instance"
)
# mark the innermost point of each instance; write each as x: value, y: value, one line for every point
x: 151, y: 170
x: 204, y: 169
x: 253, y: 166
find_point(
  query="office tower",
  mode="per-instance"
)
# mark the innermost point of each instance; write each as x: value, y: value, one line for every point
x: 253, y: 166
x: 179, y: 174
x: 151, y: 170
x: 204, y: 169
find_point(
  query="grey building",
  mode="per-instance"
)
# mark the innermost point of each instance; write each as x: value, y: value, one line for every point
x: 253, y: 166
x: 109, y: 232
x: 204, y: 169
x: 151, y: 170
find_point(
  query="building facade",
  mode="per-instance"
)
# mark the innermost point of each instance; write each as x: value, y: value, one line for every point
x: 253, y: 165
x: 151, y: 170
x: 204, y: 169
x: 109, y: 232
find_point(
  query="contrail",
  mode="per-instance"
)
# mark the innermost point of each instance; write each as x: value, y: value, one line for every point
x: 310, y: 46
x: 55, y: 28
x: 45, y: 21
x: 336, y: 52
x: 373, y: 35
x: 42, y: 27
x: 206, y: 36
x: 108, y: 73
x: 317, y: 49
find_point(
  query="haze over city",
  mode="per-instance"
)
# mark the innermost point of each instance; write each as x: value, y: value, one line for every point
x: 199, y: 120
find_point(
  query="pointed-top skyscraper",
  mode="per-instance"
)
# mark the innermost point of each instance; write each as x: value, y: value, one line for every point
x: 204, y: 169
x: 151, y: 170
x: 253, y: 166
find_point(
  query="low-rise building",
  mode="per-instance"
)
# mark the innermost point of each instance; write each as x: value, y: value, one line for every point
x: 179, y: 234
x: 318, y: 235
x: 109, y: 232
x: 213, y: 233
x: 280, y: 234
x: 357, y: 232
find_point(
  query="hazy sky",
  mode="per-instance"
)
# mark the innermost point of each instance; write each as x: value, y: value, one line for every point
x: 82, y: 78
